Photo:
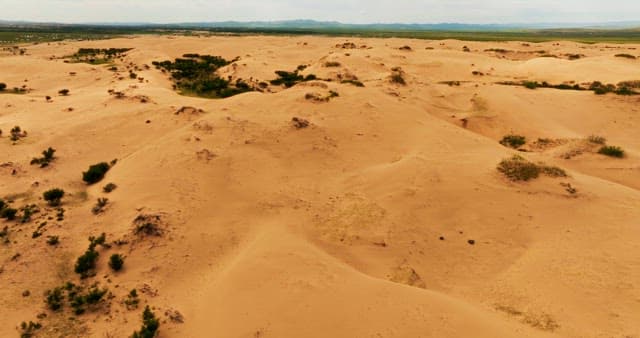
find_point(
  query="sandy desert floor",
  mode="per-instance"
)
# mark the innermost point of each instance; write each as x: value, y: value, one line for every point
x: 385, y: 217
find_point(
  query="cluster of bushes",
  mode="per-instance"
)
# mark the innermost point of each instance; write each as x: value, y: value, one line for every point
x: 28, y: 330
x: 517, y: 168
x: 78, y: 298
x: 623, y: 88
x: 290, y: 79
x: 196, y: 75
x: 97, y: 56
x: 47, y: 157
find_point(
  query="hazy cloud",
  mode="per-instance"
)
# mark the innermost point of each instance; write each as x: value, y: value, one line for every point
x: 351, y: 11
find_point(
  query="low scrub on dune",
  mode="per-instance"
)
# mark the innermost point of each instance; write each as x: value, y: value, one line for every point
x: 513, y: 141
x: 290, y: 79
x: 97, y: 56
x: 517, y: 168
x: 96, y: 172
x: 612, y: 151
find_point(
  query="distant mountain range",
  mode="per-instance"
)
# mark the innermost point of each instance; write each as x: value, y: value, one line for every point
x: 332, y: 25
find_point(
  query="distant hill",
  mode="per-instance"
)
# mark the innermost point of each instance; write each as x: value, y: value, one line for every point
x: 329, y: 25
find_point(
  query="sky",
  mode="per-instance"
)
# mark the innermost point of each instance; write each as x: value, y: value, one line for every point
x: 346, y: 11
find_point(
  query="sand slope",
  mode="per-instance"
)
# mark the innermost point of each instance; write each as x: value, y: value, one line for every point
x: 332, y: 230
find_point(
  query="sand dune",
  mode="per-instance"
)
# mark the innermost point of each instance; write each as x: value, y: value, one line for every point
x: 386, y: 217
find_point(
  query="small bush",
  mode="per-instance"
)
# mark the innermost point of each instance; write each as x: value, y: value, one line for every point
x: 8, y: 213
x: 611, y: 151
x: 64, y: 92
x: 53, y: 196
x: 530, y: 84
x: 47, y: 157
x: 518, y: 169
x: 597, y: 139
x: 513, y: 141
x: 54, y: 299
x: 100, y: 205
x: 3, y: 86
x: 132, y: 300
x: 116, y: 261
x: 329, y: 64
x: 95, y: 173
x: 109, y: 187
x: 397, y: 77
x: 150, y: 325
x: 53, y: 240
x: 87, y: 262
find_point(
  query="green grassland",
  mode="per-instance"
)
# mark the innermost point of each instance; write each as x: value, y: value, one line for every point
x: 43, y: 33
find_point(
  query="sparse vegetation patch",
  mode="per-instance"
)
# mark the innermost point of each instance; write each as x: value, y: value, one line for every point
x: 517, y: 168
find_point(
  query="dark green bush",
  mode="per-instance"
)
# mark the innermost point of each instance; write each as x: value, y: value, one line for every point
x: 116, y: 261
x: 150, y: 325
x: 53, y: 240
x: 95, y: 173
x: 3, y: 86
x: 54, y: 299
x: 8, y: 213
x: 597, y: 139
x: 612, y: 151
x: 64, y: 92
x: 513, y: 141
x: 47, y: 157
x: 87, y: 262
x: 53, y: 196
x: 109, y: 187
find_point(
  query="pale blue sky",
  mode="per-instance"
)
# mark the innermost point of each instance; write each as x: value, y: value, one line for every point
x: 348, y: 11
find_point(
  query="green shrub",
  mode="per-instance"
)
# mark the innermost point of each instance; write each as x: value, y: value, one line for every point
x: 513, y: 141
x: 116, y: 261
x: 47, y: 157
x: 100, y: 205
x: 87, y: 262
x: 53, y: 196
x: 530, y: 84
x: 54, y: 299
x: 330, y: 64
x: 289, y: 79
x: 109, y: 187
x: 612, y: 151
x: 132, y: 300
x: 3, y: 86
x: 150, y: 325
x: 95, y: 173
x: 8, y: 213
x: 64, y: 92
